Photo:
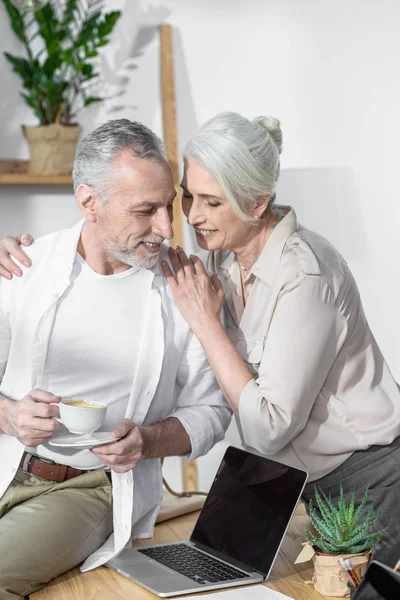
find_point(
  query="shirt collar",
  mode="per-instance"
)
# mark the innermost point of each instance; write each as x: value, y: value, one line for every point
x: 163, y: 255
x: 267, y: 263
x: 64, y: 255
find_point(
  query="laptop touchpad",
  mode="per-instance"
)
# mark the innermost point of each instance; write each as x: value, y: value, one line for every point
x: 142, y: 569
x: 171, y: 584
x: 151, y: 570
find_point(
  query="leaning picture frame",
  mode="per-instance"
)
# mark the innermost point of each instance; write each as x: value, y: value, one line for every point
x: 380, y: 582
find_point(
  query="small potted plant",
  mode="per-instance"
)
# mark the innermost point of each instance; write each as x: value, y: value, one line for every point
x: 342, y: 531
x: 61, y: 42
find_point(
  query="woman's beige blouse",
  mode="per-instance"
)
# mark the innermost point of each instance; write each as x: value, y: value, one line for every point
x: 321, y: 388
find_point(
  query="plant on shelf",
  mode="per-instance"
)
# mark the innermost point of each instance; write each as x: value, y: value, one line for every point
x: 342, y: 531
x: 61, y: 42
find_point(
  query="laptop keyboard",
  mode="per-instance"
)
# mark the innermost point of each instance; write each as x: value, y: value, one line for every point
x: 196, y: 565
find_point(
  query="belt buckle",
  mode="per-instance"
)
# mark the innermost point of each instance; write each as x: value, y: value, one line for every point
x: 27, y: 462
x: 45, y: 460
x: 28, y: 459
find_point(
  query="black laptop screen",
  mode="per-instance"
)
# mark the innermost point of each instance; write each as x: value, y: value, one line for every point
x: 248, y: 508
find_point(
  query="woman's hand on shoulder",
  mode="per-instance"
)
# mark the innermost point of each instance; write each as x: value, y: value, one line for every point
x: 10, y: 247
x: 198, y: 295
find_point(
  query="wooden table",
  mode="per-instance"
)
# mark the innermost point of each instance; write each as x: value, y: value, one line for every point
x: 104, y: 584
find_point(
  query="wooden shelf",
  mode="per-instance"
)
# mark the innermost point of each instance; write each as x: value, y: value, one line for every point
x: 16, y: 172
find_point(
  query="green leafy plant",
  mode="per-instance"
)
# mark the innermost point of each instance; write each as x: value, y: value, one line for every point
x: 61, y: 42
x: 343, y: 529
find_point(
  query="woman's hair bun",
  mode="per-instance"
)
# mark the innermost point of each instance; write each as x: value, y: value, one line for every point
x: 273, y: 126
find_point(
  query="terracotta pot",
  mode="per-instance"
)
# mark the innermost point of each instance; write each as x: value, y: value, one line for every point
x: 52, y: 148
x: 329, y: 577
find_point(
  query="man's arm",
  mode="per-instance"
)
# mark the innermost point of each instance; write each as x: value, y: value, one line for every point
x: 199, y: 420
x: 167, y: 438
x: 30, y: 419
x: 5, y: 409
x: 201, y: 407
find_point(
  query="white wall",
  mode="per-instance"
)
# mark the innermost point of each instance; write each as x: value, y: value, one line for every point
x: 328, y: 69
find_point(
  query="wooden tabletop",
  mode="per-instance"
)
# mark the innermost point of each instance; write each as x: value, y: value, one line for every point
x: 104, y: 584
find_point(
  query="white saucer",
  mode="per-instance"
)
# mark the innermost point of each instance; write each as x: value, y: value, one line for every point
x: 86, y: 440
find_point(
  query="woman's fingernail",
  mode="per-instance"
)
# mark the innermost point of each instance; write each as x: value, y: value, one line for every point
x: 178, y: 248
x: 27, y: 263
x: 17, y: 273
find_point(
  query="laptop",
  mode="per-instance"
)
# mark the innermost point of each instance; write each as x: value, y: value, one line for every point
x: 237, y: 535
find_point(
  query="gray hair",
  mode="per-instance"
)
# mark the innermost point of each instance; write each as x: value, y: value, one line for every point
x: 97, y: 150
x: 241, y: 155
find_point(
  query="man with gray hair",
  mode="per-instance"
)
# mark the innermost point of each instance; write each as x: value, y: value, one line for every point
x: 94, y: 319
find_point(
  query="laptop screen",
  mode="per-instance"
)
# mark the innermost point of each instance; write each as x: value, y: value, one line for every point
x: 248, y: 508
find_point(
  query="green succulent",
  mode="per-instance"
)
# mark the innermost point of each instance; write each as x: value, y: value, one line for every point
x: 343, y: 529
x: 61, y: 40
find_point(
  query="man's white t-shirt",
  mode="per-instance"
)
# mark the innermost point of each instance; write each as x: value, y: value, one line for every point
x: 93, y: 349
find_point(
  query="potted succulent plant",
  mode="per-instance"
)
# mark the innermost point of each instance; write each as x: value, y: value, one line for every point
x: 61, y: 42
x: 342, y: 531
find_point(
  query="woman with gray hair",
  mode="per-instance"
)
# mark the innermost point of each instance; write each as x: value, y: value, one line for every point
x: 297, y: 360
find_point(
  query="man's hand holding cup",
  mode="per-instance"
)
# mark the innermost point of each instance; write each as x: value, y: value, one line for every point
x: 31, y: 419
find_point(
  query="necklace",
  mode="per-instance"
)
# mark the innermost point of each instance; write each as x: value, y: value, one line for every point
x: 269, y: 229
x: 245, y: 268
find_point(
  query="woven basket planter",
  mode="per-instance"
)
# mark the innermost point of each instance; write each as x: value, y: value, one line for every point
x: 52, y: 148
x: 329, y: 577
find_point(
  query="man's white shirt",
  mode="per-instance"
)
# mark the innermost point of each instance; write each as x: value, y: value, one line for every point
x: 170, y: 375
x: 94, y: 347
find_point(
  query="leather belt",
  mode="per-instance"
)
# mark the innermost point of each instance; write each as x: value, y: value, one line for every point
x: 47, y: 469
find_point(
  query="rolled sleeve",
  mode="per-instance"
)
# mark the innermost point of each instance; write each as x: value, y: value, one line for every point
x: 201, y: 407
x: 205, y: 426
x: 306, y: 333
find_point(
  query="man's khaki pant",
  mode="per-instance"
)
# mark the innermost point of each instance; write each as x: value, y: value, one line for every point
x: 48, y: 528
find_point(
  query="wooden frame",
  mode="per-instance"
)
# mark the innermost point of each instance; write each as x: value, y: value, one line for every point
x: 169, y: 120
x: 189, y: 469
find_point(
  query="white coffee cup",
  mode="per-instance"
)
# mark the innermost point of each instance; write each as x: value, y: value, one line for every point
x: 81, y: 416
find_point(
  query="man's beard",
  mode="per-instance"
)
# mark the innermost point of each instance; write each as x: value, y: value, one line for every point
x: 131, y: 257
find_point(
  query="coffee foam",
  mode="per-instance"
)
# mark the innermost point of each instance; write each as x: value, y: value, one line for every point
x: 83, y: 404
